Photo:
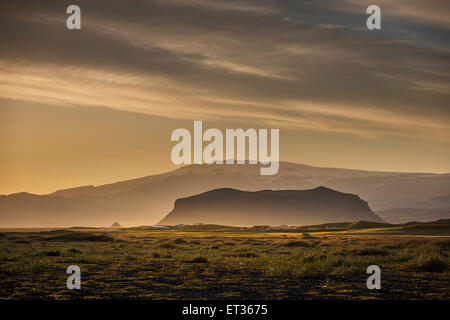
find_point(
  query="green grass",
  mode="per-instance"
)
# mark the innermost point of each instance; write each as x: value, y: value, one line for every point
x: 145, y: 264
x: 371, y: 252
x: 199, y: 259
x: 296, y: 244
x: 434, y: 264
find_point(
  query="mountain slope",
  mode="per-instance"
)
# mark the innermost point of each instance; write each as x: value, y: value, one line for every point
x: 268, y: 207
x: 403, y: 215
x: 147, y: 200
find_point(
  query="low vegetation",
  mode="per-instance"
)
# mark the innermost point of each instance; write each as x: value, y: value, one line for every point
x: 217, y: 262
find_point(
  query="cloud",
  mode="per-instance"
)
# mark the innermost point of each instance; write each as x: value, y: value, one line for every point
x: 432, y: 12
x: 226, y: 60
x: 250, y: 6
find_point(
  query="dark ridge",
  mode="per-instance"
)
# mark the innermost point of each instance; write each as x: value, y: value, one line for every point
x: 227, y: 206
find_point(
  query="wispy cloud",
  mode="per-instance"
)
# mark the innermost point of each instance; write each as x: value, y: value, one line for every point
x: 432, y: 12
x: 250, y: 6
x: 177, y: 59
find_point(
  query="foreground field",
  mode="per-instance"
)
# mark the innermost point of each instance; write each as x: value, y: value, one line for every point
x: 214, y: 263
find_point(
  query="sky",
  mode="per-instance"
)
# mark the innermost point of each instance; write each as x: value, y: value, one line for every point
x: 98, y: 105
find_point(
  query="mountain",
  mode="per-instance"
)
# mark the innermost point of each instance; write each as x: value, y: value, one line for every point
x: 403, y: 215
x: 147, y: 200
x: 116, y: 225
x: 269, y: 207
x: 441, y: 201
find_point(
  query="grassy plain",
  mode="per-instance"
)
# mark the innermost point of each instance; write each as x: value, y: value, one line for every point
x: 211, y: 262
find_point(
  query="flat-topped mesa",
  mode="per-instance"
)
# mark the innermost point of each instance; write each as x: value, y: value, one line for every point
x: 233, y: 207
